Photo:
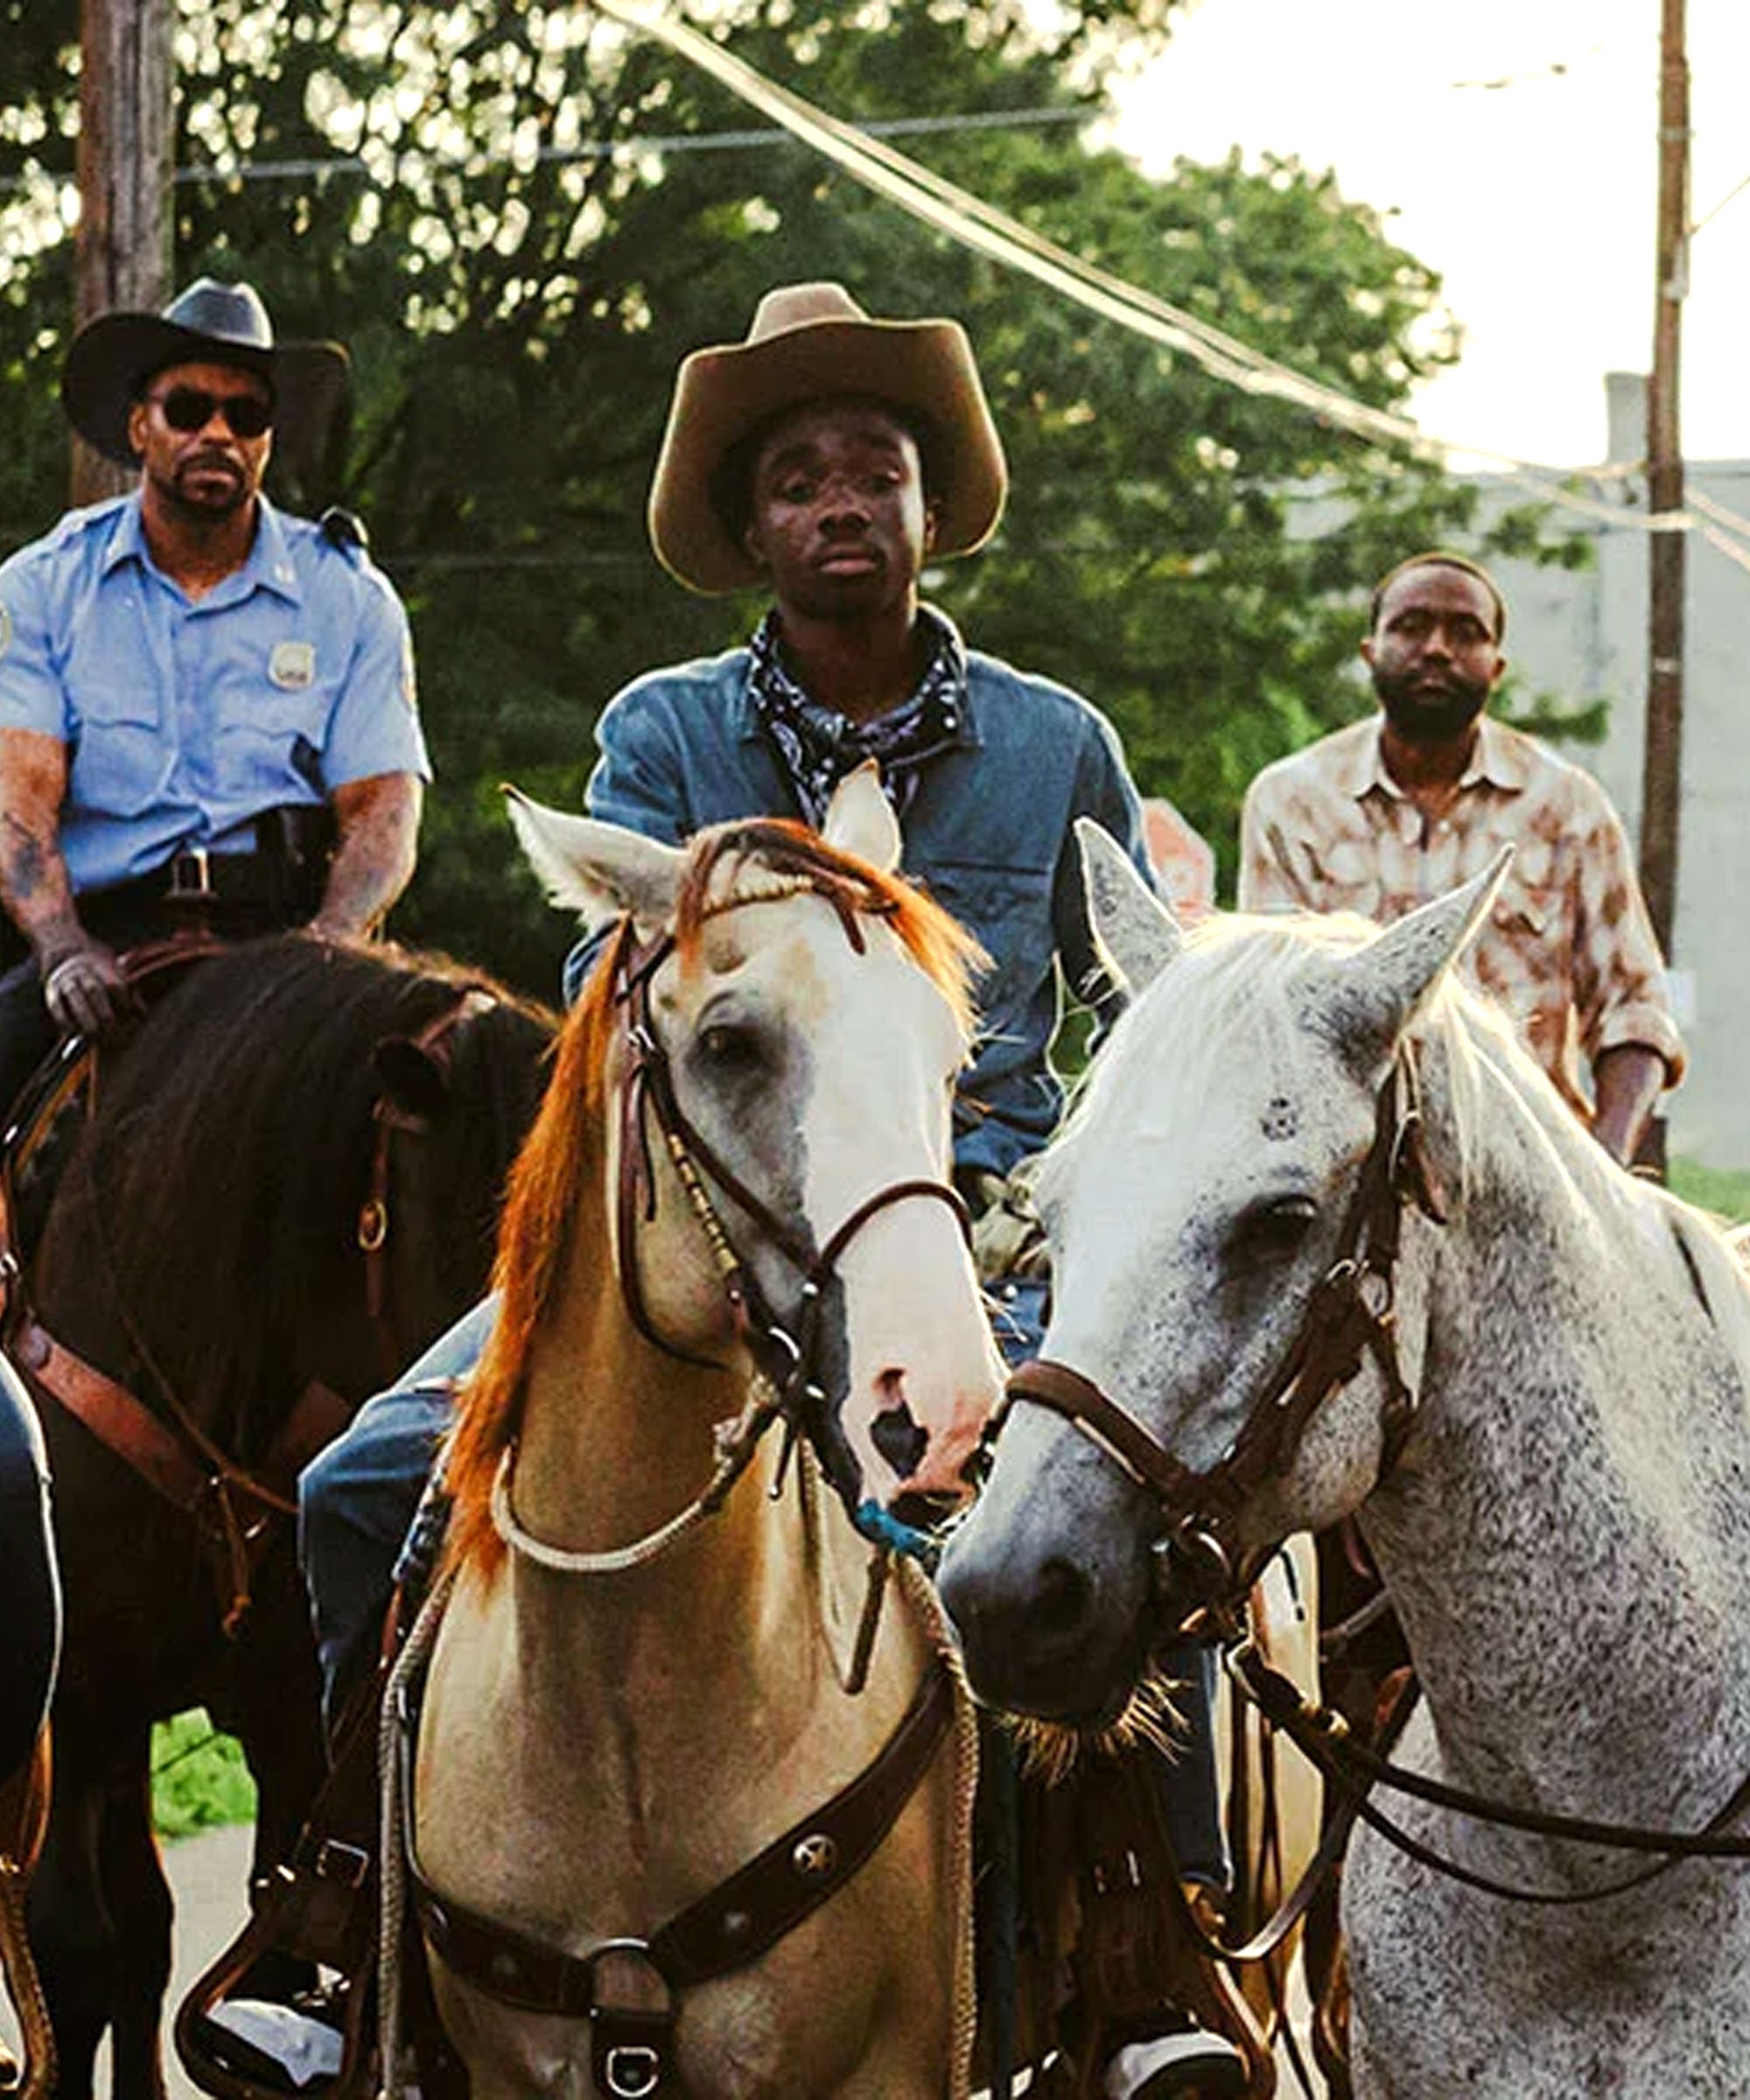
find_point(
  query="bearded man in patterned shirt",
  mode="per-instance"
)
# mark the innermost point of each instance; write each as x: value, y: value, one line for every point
x: 1389, y: 812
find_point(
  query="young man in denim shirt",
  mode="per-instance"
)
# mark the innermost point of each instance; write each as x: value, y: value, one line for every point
x: 826, y: 458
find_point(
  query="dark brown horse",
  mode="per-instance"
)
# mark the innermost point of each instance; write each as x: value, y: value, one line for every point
x: 287, y: 1187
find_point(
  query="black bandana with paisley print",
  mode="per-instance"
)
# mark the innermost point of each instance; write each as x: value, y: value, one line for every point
x: 817, y: 745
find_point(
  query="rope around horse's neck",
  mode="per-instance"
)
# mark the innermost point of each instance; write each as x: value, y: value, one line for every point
x: 18, y: 1974
x: 736, y: 1443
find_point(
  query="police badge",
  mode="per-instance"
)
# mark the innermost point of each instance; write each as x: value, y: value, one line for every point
x: 293, y: 665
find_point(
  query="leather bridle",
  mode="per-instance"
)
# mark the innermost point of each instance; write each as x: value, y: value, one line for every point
x: 785, y: 1355
x: 1350, y: 1318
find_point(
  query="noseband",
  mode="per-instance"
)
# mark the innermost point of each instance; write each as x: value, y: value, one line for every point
x: 1349, y: 1318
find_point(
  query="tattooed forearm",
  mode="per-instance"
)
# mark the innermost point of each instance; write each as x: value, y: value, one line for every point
x: 22, y: 860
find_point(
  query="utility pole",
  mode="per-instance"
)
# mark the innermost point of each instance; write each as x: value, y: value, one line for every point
x: 122, y: 254
x: 1662, y: 773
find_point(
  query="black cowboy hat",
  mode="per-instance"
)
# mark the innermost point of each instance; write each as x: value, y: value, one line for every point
x: 111, y: 359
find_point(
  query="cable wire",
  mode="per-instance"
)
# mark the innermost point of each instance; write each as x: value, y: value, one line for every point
x: 982, y: 227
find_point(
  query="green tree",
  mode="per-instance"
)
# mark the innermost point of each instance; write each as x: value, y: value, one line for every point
x: 517, y: 299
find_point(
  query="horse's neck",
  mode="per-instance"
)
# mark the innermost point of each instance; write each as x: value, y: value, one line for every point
x: 617, y: 1439
x: 1566, y: 1523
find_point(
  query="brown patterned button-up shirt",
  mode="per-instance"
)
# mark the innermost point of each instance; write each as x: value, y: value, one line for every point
x: 1569, y: 951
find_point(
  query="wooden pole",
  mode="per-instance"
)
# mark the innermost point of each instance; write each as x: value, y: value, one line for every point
x: 122, y: 255
x: 1661, y: 775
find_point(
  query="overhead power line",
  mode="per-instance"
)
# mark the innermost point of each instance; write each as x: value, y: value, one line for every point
x: 1708, y: 217
x: 980, y: 226
x: 314, y: 166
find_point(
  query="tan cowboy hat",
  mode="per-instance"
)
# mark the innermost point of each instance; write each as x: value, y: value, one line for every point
x: 111, y: 359
x: 809, y: 342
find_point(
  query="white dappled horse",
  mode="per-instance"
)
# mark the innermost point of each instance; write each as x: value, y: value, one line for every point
x: 630, y: 1700
x: 1549, y: 1459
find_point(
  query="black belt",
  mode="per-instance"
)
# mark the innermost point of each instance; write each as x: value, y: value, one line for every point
x: 195, y: 876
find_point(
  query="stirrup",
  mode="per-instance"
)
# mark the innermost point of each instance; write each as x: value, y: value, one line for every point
x: 320, y: 1908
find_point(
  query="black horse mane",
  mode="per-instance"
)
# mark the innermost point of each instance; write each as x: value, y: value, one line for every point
x: 206, y: 1227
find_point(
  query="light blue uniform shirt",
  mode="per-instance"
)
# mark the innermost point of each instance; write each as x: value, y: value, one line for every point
x: 185, y: 719
x: 988, y: 831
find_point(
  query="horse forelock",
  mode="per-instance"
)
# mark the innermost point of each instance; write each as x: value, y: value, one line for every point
x: 767, y: 859
x: 556, y: 1165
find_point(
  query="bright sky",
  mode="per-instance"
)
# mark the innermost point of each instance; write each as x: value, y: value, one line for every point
x: 1534, y: 200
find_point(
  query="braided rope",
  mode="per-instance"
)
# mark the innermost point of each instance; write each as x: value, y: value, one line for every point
x: 737, y: 1441
x: 19, y: 1969
x: 921, y: 1595
x: 392, y: 1902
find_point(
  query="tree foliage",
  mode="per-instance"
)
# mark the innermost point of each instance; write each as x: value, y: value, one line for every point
x: 522, y: 226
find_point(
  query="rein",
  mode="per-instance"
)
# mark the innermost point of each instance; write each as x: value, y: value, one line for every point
x: 787, y: 1385
x: 1349, y: 1318
x: 1324, y: 1736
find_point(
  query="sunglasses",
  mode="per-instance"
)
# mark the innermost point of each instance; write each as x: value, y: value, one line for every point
x: 188, y: 409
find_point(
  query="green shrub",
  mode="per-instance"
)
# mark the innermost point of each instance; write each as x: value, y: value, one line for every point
x: 199, y: 1777
x: 1722, y: 1190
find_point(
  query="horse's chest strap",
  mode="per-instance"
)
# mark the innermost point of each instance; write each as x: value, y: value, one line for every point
x: 734, y: 1924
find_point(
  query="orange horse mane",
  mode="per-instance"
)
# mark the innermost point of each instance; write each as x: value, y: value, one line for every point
x: 760, y: 860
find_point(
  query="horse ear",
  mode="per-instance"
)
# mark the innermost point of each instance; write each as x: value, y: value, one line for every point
x: 1387, y: 983
x: 860, y: 820
x: 417, y: 1083
x: 1134, y: 930
x: 599, y: 870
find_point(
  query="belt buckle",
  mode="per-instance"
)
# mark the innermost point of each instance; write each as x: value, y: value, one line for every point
x: 191, y: 873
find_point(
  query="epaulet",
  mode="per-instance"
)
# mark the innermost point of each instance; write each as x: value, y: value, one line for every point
x: 344, y: 529
x: 74, y: 524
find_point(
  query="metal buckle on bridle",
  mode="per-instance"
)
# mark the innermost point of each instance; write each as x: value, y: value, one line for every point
x: 1375, y: 1294
x: 1200, y: 1563
x: 632, y: 2070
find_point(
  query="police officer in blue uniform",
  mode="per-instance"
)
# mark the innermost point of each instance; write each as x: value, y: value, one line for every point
x: 207, y: 709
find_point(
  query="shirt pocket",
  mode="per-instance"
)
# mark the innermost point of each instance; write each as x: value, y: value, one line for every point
x: 1528, y: 941
x: 121, y: 766
x: 270, y: 750
x: 1359, y: 895
x: 1009, y: 911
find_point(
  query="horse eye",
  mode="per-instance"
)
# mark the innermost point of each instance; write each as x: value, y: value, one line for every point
x: 1278, y: 1229
x: 729, y: 1049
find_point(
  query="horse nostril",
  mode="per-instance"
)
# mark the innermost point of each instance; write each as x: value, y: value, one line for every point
x: 899, y: 1440
x: 1060, y: 1603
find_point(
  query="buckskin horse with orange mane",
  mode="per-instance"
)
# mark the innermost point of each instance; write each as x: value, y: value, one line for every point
x: 660, y: 1732
x: 287, y: 1185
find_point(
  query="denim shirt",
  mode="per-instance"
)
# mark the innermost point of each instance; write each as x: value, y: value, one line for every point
x: 989, y: 833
